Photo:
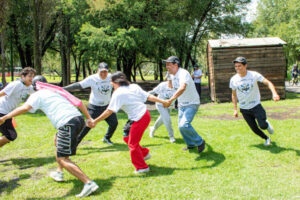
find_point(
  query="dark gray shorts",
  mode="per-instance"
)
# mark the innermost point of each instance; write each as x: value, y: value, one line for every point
x: 8, y: 130
x: 66, y: 137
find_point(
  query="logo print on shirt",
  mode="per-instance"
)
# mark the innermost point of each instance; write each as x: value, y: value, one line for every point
x: 104, y: 89
x: 245, y: 86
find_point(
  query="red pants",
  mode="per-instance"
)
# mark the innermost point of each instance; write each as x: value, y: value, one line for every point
x: 137, y: 152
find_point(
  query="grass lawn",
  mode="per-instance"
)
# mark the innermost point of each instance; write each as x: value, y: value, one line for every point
x: 234, y: 165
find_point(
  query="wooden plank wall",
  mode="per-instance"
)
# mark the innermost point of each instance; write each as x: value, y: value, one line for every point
x: 269, y: 61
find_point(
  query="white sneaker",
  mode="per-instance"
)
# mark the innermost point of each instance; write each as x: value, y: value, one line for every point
x: 172, y: 139
x: 57, y: 176
x: 147, y: 157
x: 270, y: 128
x: 88, y: 189
x: 151, y: 133
x: 267, y: 142
x: 140, y: 171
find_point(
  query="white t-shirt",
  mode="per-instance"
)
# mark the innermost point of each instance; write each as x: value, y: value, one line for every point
x: 190, y: 95
x: 131, y: 99
x: 57, y: 108
x: 163, y: 91
x: 16, y: 92
x: 197, y: 73
x: 247, y: 89
x: 100, y: 89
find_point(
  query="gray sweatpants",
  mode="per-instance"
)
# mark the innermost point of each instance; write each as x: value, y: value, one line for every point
x: 165, y: 119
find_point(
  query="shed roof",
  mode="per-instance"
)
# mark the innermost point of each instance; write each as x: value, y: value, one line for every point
x: 249, y: 42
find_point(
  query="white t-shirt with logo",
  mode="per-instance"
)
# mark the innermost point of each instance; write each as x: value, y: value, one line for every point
x: 197, y: 73
x: 247, y: 89
x: 190, y: 95
x: 163, y: 91
x: 131, y: 99
x: 57, y: 108
x: 16, y: 92
x: 100, y: 89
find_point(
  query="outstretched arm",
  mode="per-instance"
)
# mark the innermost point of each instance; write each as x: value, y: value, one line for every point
x: 179, y: 92
x: 18, y: 111
x: 275, y: 95
x: 103, y: 116
x: 74, y: 86
x: 84, y: 111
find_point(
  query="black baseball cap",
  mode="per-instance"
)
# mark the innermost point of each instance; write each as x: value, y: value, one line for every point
x: 240, y: 60
x: 172, y: 59
x: 103, y: 66
x: 196, y: 66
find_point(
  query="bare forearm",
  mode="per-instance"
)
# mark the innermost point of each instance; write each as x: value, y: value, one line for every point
x: 177, y: 93
x: 104, y: 115
x: 84, y: 111
x: 18, y: 111
x: 153, y: 98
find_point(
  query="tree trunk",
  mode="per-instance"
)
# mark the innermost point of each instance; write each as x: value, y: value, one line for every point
x: 37, y: 43
x: 83, y: 69
x: 89, y: 68
x: 160, y: 66
x: 3, y: 59
x: 28, y: 52
x: 140, y: 71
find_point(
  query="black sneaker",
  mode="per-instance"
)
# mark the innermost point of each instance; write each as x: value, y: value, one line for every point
x: 107, y: 140
x: 201, y: 147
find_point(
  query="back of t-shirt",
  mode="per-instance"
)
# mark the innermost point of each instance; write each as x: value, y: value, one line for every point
x: 57, y: 108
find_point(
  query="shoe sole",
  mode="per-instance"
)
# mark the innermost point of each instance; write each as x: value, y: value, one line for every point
x: 93, y: 189
x: 56, y: 179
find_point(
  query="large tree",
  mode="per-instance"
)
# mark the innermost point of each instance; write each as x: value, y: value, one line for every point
x: 280, y: 19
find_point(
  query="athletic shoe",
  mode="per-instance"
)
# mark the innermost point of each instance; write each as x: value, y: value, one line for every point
x: 172, y: 139
x: 270, y: 128
x: 151, y: 133
x: 140, y: 171
x: 147, y: 157
x: 57, y: 176
x: 88, y: 189
x: 201, y: 147
x: 267, y: 142
x: 107, y: 140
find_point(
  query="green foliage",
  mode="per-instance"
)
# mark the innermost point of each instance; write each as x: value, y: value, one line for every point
x: 280, y: 19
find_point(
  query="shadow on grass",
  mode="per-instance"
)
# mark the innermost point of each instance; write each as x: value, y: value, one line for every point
x: 274, y: 148
x: 104, y: 185
x: 12, y: 184
x: 109, y: 148
x: 209, y: 155
x: 25, y: 163
x: 178, y: 140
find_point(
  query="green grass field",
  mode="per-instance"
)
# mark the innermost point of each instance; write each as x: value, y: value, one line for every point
x: 234, y: 165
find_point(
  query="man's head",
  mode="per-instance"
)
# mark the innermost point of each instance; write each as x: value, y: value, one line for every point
x: 240, y: 64
x: 103, y: 70
x: 172, y: 64
x: 27, y: 75
x: 196, y: 67
x: 38, y: 78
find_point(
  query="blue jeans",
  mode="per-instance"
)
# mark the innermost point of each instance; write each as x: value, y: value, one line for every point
x: 185, y: 117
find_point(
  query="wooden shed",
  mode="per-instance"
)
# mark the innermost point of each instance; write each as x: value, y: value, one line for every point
x: 264, y: 55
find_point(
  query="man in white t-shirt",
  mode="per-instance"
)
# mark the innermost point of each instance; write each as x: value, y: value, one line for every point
x: 245, y: 90
x: 68, y: 121
x: 197, y: 75
x: 100, y: 96
x: 10, y: 97
x: 188, y: 101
